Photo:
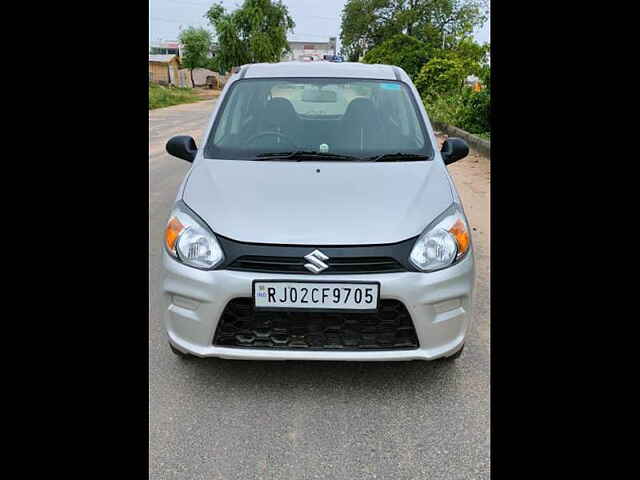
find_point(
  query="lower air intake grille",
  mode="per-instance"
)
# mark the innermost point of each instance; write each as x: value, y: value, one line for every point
x: 390, y: 328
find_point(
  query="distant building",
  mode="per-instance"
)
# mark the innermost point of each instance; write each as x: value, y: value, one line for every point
x: 310, y: 51
x: 164, y: 69
x: 170, y: 47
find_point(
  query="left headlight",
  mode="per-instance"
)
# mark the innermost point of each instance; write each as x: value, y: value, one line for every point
x: 444, y: 242
x: 189, y: 240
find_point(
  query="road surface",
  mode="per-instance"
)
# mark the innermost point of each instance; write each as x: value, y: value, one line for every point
x: 222, y: 419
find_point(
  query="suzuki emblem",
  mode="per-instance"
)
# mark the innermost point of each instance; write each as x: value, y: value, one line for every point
x: 315, y: 259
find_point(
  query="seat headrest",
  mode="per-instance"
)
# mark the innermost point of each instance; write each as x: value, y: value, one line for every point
x: 280, y: 108
x: 360, y: 107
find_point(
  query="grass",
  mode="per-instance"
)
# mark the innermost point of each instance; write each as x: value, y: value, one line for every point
x: 160, y: 96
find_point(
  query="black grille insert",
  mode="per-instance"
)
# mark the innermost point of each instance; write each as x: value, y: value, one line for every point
x: 390, y: 328
x: 257, y: 263
x: 289, y: 259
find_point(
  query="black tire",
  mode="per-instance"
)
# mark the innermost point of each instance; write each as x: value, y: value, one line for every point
x: 184, y: 356
x: 455, y: 355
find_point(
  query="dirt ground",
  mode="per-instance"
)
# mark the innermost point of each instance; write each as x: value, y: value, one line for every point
x: 207, y: 93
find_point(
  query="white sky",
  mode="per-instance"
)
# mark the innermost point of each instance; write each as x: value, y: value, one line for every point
x: 316, y: 20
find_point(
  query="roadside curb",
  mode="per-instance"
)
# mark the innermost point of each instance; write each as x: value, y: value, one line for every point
x: 480, y: 144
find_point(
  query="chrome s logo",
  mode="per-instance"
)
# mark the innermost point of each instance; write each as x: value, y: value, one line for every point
x: 316, y: 263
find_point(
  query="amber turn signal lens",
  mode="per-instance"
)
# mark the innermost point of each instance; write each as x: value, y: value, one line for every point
x: 171, y: 234
x: 461, y: 235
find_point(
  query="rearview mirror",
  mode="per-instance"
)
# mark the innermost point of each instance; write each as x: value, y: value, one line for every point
x: 319, y: 96
x: 182, y: 146
x: 453, y: 149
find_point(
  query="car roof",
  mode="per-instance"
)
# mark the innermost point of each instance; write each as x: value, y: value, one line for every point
x: 320, y: 69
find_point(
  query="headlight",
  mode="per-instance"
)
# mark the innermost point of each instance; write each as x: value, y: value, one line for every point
x: 443, y: 243
x: 190, y: 241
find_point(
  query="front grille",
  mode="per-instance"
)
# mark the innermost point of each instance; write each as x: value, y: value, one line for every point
x: 257, y: 263
x: 390, y: 328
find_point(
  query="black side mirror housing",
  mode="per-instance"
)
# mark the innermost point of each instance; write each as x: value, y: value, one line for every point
x: 182, y: 146
x: 453, y: 149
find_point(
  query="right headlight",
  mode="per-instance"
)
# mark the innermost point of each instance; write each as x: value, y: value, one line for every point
x: 189, y: 240
x: 443, y: 243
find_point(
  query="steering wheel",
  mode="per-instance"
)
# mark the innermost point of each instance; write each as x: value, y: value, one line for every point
x: 272, y: 134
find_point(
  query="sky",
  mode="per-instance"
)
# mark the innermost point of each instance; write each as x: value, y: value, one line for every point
x: 316, y: 20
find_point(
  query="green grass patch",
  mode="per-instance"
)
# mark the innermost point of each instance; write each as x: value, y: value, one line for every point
x: 160, y: 96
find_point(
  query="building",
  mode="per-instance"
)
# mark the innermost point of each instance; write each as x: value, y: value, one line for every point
x: 170, y: 47
x: 310, y: 51
x: 164, y: 69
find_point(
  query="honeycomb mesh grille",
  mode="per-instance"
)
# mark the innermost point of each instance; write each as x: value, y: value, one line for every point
x: 390, y: 328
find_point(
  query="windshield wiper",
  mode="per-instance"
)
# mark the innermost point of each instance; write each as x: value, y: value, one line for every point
x: 398, y: 157
x: 301, y: 155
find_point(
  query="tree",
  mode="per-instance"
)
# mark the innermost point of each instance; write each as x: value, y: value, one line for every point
x: 256, y: 32
x: 367, y: 23
x: 402, y: 50
x: 472, y: 55
x: 196, y: 51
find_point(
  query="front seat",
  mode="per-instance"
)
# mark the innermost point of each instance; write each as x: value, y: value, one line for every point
x: 362, y: 130
x: 280, y: 116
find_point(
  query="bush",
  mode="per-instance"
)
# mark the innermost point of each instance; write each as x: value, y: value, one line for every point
x: 441, y: 76
x: 474, y: 116
x: 467, y: 110
x: 402, y: 50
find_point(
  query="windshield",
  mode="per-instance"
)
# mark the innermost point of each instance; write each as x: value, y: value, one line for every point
x: 343, y: 119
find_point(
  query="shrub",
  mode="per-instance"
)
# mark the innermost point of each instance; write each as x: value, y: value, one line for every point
x: 467, y: 110
x: 441, y: 76
x: 474, y: 116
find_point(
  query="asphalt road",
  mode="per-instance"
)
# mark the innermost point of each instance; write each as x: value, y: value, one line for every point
x: 224, y: 419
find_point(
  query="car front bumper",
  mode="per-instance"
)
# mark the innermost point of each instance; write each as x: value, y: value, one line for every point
x: 439, y: 304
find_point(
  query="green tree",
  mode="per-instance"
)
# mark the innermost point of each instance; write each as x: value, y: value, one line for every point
x: 196, y: 51
x: 401, y: 50
x: 256, y: 32
x: 367, y: 23
x: 472, y: 55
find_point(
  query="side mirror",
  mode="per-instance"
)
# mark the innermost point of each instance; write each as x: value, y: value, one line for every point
x: 183, y: 147
x: 453, y: 149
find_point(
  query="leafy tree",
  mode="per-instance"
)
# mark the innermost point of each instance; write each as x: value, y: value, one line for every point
x: 196, y: 52
x: 401, y: 50
x: 456, y: 18
x: 367, y: 23
x: 472, y: 55
x: 441, y: 76
x: 256, y: 32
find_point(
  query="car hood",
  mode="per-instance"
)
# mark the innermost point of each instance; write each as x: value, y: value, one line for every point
x: 317, y: 203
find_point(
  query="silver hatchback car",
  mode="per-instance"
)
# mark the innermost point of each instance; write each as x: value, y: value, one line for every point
x: 318, y: 222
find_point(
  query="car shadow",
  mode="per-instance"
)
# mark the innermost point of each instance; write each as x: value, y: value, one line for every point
x: 310, y: 376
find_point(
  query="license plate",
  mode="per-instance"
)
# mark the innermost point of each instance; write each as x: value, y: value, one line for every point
x: 285, y: 295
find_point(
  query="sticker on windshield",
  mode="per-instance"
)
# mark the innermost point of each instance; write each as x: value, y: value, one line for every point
x: 390, y: 86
